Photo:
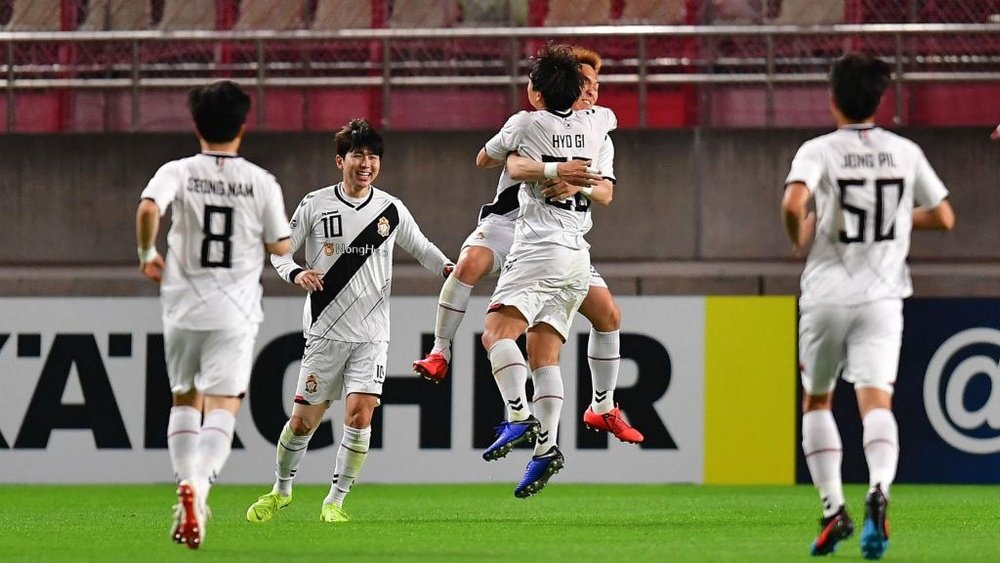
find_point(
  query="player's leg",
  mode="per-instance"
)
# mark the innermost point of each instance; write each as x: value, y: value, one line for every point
x: 474, y: 263
x: 226, y: 363
x: 350, y: 455
x: 873, y: 358
x: 364, y: 375
x: 604, y: 358
x: 504, y: 324
x: 319, y: 383
x: 182, y: 351
x: 821, y: 341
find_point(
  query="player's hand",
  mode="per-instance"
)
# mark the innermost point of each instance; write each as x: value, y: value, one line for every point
x: 806, y: 230
x: 153, y: 269
x: 310, y: 280
x: 559, y: 190
x: 995, y: 135
x: 448, y: 269
x: 578, y: 173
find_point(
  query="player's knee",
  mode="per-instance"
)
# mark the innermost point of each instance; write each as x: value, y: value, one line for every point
x: 488, y: 339
x: 472, y: 268
x: 300, y: 426
x: 816, y: 402
x: 611, y: 319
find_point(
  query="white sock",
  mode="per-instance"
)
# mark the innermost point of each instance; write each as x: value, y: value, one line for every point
x: 512, y: 375
x: 214, y: 446
x: 604, y: 358
x: 824, y: 453
x: 183, y: 430
x: 291, y: 450
x: 452, y: 302
x: 881, y: 443
x: 350, y: 458
x: 547, y: 404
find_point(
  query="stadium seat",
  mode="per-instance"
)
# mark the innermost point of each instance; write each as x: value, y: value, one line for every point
x: 495, y: 13
x: 423, y: 13
x: 267, y: 14
x: 188, y: 15
x: 809, y: 12
x: 342, y: 14
x: 655, y: 12
x: 35, y: 15
x: 578, y: 12
x: 109, y: 15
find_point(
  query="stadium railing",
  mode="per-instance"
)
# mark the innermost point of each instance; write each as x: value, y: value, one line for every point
x: 689, y: 69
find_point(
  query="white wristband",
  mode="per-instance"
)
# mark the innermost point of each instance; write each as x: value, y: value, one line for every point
x: 551, y: 170
x: 147, y: 254
x: 587, y: 190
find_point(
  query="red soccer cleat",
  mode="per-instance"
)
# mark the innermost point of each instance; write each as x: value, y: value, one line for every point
x: 432, y: 368
x: 189, y: 526
x: 613, y: 422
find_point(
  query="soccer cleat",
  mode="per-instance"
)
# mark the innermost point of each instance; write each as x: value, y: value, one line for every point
x: 510, y: 434
x: 538, y: 471
x: 333, y: 513
x: 875, y: 530
x: 833, y: 529
x: 266, y: 505
x: 432, y: 368
x: 189, y: 520
x: 613, y: 422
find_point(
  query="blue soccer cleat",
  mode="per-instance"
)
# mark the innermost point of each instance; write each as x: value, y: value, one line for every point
x: 538, y: 471
x: 833, y: 529
x: 875, y: 531
x: 510, y: 434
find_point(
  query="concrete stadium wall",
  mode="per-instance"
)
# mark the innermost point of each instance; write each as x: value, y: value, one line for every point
x: 683, y: 196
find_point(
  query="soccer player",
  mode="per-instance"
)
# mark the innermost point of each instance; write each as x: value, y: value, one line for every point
x: 546, y: 275
x: 349, y: 230
x: 226, y: 212
x: 485, y: 250
x: 870, y: 187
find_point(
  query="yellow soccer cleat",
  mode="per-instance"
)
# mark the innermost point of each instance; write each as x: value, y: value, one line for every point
x: 333, y: 513
x: 265, y: 507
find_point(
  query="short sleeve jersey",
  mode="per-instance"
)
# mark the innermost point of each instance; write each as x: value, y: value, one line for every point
x: 351, y: 242
x: 224, y: 209
x: 866, y: 182
x: 550, y: 136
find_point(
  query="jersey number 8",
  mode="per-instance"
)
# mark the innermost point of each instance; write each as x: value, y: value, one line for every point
x: 216, y: 247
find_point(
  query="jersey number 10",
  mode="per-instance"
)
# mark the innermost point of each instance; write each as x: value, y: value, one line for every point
x: 885, y: 223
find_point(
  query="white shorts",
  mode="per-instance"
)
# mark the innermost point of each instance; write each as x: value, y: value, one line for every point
x: 214, y: 362
x: 860, y: 343
x: 596, y: 280
x: 546, y: 284
x: 333, y: 369
x: 495, y: 233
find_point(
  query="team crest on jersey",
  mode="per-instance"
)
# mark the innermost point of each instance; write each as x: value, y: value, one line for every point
x: 383, y: 226
x: 312, y: 383
x: 328, y: 249
x: 480, y: 235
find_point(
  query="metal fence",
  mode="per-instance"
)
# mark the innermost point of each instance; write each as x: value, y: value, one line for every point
x: 640, y: 59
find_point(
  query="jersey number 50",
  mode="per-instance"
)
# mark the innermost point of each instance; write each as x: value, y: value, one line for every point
x: 216, y: 247
x: 885, y: 223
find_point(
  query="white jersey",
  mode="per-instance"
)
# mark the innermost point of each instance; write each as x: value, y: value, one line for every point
x: 224, y: 209
x: 866, y: 182
x: 549, y: 136
x: 351, y: 242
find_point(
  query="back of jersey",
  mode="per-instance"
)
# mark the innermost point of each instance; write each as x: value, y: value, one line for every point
x: 559, y: 137
x: 224, y: 209
x: 865, y: 181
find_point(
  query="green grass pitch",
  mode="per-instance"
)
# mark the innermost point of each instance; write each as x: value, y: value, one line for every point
x: 479, y: 523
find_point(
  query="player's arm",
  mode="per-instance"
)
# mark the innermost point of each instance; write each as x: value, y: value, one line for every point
x: 603, y: 190
x: 413, y: 241
x: 800, y: 223
x: 147, y: 225
x: 941, y: 217
x: 494, y: 152
x: 484, y: 160
x: 284, y: 263
x: 575, y: 172
x: 277, y: 233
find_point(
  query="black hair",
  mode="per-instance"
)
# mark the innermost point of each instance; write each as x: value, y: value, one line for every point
x: 219, y: 110
x: 555, y: 73
x: 858, y: 82
x: 358, y: 134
